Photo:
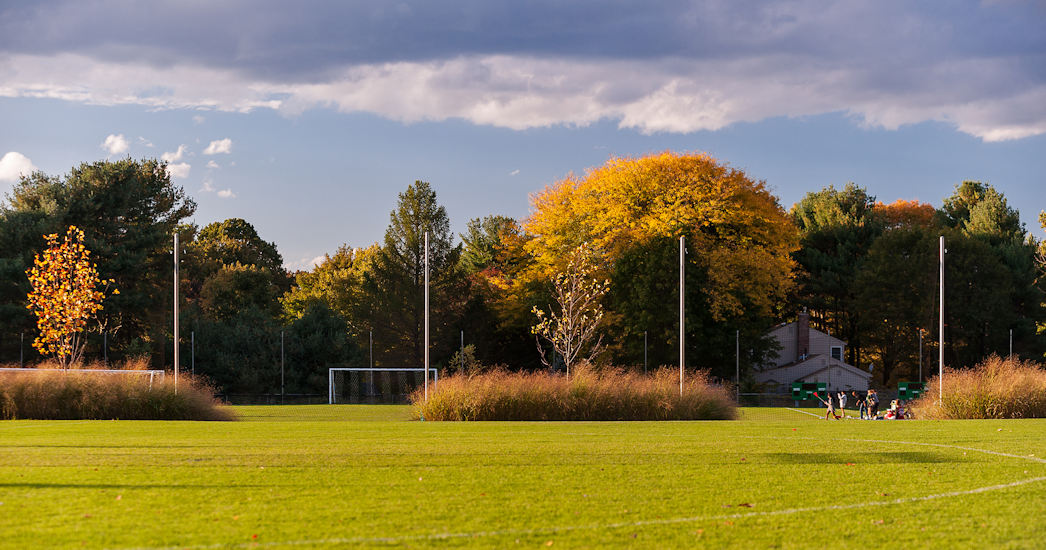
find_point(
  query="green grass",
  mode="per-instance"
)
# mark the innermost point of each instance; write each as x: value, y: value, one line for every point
x: 362, y: 476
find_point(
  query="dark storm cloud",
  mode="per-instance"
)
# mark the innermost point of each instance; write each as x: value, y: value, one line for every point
x: 280, y: 40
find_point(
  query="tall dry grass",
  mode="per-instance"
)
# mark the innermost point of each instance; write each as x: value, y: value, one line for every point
x: 996, y: 388
x: 609, y: 394
x: 54, y: 394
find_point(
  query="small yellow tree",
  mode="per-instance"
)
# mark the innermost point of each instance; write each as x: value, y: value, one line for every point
x: 65, y: 295
x: 577, y: 292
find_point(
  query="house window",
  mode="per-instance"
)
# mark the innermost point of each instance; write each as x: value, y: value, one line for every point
x: 837, y: 353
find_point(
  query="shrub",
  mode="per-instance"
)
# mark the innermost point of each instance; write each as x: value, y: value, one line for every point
x: 997, y: 388
x: 610, y: 394
x: 53, y: 394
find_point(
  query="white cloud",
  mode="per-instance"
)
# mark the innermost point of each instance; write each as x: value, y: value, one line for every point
x: 144, y: 142
x: 514, y: 172
x: 179, y: 170
x: 518, y: 92
x: 198, y: 119
x: 208, y: 186
x: 226, y: 194
x: 219, y: 146
x: 176, y: 155
x: 115, y: 144
x: 305, y: 264
x: 14, y: 165
x: 213, y: 165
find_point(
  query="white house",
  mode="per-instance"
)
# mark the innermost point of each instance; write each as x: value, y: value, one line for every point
x: 809, y: 355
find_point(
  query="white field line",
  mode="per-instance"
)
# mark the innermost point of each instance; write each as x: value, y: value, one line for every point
x: 653, y: 522
x: 804, y: 412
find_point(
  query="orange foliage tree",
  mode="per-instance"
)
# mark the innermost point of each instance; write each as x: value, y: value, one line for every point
x: 902, y: 213
x: 65, y: 294
x: 740, y: 242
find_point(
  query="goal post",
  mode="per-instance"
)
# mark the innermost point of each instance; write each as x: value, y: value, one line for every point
x: 375, y: 385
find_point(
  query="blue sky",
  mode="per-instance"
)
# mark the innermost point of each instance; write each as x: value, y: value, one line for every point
x: 307, y: 119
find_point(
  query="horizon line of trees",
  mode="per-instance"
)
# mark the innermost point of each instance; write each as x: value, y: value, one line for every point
x: 865, y: 270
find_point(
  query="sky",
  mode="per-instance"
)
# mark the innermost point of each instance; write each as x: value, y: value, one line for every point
x: 308, y: 118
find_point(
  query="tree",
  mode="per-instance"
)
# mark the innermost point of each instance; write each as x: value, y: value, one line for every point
x: 577, y: 292
x: 235, y: 241
x: 65, y: 295
x: 393, y: 291
x: 837, y: 229
x: 129, y: 210
x: 337, y: 282
x: 740, y: 241
x: 482, y: 240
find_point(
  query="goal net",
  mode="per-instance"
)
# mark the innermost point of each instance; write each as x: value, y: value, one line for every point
x: 377, y: 385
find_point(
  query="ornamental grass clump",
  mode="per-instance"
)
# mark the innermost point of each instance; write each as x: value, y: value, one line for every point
x: 78, y: 394
x: 996, y: 388
x: 588, y: 394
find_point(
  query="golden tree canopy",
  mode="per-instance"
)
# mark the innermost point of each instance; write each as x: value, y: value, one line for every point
x: 735, y: 227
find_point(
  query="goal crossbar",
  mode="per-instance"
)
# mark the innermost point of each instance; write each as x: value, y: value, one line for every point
x: 330, y: 376
x: 152, y: 373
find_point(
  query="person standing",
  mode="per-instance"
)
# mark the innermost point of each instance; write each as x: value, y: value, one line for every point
x: 830, y: 404
x: 862, y: 405
x: 842, y: 403
x: 873, y: 404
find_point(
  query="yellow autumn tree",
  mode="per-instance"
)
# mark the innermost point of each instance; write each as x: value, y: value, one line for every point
x: 739, y: 242
x: 66, y: 293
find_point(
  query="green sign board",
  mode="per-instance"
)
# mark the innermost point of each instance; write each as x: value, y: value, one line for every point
x: 909, y: 390
x: 806, y: 390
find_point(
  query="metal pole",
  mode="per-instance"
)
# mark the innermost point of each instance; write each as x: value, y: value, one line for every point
x: 281, y: 368
x: 176, y: 341
x: 21, y: 351
x: 462, y: 351
x: 426, y: 316
x: 682, y: 307
x: 940, y: 334
x: 737, y: 356
x: 192, y: 351
x: 920, y: 355
x: 105, y: 347
x: 1011, y: 343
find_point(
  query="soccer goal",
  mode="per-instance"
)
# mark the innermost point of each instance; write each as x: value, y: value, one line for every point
x: 152, y: 375
x: 376, y: 385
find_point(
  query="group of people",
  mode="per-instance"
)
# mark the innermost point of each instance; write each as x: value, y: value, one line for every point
x: 867, y: 405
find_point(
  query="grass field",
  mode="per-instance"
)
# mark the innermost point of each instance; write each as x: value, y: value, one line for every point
x: 363, y: 476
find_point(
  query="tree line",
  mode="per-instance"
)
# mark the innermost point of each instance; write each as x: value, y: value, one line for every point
x: 865, y: 270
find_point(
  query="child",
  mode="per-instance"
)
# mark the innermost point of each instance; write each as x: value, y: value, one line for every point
x: 830, y: 404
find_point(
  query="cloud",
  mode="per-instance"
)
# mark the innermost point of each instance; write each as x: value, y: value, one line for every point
x: 208, y: 186
x: 176, y: 155
x: 14, y: 165
x: 198, y: 119
x: 305, y: 264
x: 213, y: 165
x: 115, y: 144
x: 144, y: 142
x: 514, y: 172
x: 219, y: 146
x: 179, y: 170
x: 686, y: 66
x: 226, y: 194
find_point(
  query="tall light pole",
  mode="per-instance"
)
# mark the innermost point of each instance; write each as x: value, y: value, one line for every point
x: 176, y: 313
x: 682, y: 306
x: 940, y: 334
x: 426, y: 316
x: 920, y: 355
x: 737, y: 360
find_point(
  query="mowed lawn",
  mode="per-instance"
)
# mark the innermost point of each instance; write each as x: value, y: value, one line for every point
x: 365, y: 476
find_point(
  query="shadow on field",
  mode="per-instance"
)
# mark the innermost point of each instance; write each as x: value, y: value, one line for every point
x: 164, y: 486
x: 871, y: 457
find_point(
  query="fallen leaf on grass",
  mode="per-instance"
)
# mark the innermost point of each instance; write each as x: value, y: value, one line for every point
x: 549, y: 543
x: 118, y: 497
x: 883, y: 494
x: 87, y: 515
x: 745, y: 505
x: 728, y: 523
x: 851, y: 464
x: 254, y: 536
x: 878, y: 522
